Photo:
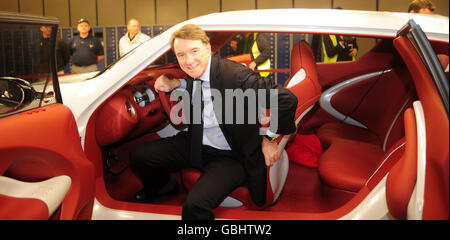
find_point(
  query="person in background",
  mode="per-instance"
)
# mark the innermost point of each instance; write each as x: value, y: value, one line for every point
x: 62, y: 51
x: 86, y: 50
x: 338, y: 48
x: 421, y: 6
x: 237, y: 44
x: 133, y: 38
x: 258, y: 45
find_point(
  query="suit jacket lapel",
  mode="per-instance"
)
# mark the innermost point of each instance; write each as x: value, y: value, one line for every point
x: 214, y: 82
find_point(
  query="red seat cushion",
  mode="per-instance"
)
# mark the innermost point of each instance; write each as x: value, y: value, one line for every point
x: 330, y: 132
x: 348, y: 164
x: 13, y: 208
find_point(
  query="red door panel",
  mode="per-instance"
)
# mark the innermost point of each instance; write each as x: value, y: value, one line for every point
x: 43, y: 143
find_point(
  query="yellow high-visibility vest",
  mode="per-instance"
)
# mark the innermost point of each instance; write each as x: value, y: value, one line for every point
x: 255, y: 51
x: 325, y: 56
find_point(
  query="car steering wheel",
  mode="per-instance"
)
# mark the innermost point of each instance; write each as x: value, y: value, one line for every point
x: 168, y: 105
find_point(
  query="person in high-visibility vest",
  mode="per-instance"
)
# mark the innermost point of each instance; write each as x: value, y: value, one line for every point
x: 339, y: 48
x: 260, y: 52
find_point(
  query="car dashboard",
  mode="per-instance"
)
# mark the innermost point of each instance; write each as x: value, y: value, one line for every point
x: 135, y: 109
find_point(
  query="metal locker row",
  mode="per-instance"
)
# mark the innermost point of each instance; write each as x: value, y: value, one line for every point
x: 20, y: 52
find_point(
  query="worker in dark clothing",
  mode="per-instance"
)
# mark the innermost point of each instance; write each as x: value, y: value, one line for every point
x: 62, y: 52
x: 86, y: 50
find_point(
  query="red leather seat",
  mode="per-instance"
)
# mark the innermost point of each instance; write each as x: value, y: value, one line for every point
x: 331, y: 132
x: 304, y: 80
x: 353, y: 152
x: 303, y: 83
x: 402, y: 178
x: 348, y: 164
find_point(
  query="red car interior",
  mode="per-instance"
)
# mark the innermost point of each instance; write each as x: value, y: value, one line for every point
x: 13, y: 208
x: 437, y: 133
x: 402, y: 178
x: 115, y: 122
x: 45, y: 146
x: 354, y: 153
x: 354, y: 161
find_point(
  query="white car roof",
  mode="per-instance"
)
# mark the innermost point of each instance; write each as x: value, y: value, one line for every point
x: 354, y: 22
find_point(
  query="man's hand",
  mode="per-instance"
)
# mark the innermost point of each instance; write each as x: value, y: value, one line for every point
x: 353, y: 52
x: 270, y: 151
x: 252, y: 65
x: 165, y: 84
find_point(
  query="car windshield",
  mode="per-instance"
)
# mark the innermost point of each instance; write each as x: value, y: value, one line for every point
x: 26, y: 65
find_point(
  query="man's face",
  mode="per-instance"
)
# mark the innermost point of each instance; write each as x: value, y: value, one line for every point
x: 83, y: 27
x: 192, y: 55
x: 233, y: 45
x: 46, y: 31
x: 133, y: 27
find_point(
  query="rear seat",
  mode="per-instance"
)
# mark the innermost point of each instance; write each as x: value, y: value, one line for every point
x: 354, y: 153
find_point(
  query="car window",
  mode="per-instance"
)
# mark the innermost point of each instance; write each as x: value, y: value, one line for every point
x: 26, y: 76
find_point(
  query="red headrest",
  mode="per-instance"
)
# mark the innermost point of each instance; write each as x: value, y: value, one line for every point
x: 304, y: 80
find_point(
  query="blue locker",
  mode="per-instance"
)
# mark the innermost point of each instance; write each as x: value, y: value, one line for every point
x: 98, y: 33
x: 158, y: 29
x: 66, y: 35
x: 272, y: 39
x: 147, y: 30
x: 283, y: 56
x: 171, y: 58
x: 18, y: 53
x: 296, y: 37
x: 121, y: 31
x: 111, y: 50
x: 9, y: 53
x: 31, y: 51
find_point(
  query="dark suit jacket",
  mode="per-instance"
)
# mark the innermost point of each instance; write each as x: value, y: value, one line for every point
x: 245, y: 139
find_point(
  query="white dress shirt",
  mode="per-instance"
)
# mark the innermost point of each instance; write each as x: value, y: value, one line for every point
x: 212, y: 134
x: 125, y: 44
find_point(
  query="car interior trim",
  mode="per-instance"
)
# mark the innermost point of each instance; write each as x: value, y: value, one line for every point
x: 325, y: 98
x: 51, y: 191
x: 415, y: 206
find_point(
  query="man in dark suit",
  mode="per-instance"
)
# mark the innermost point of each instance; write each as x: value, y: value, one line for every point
x: 229, y: 154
